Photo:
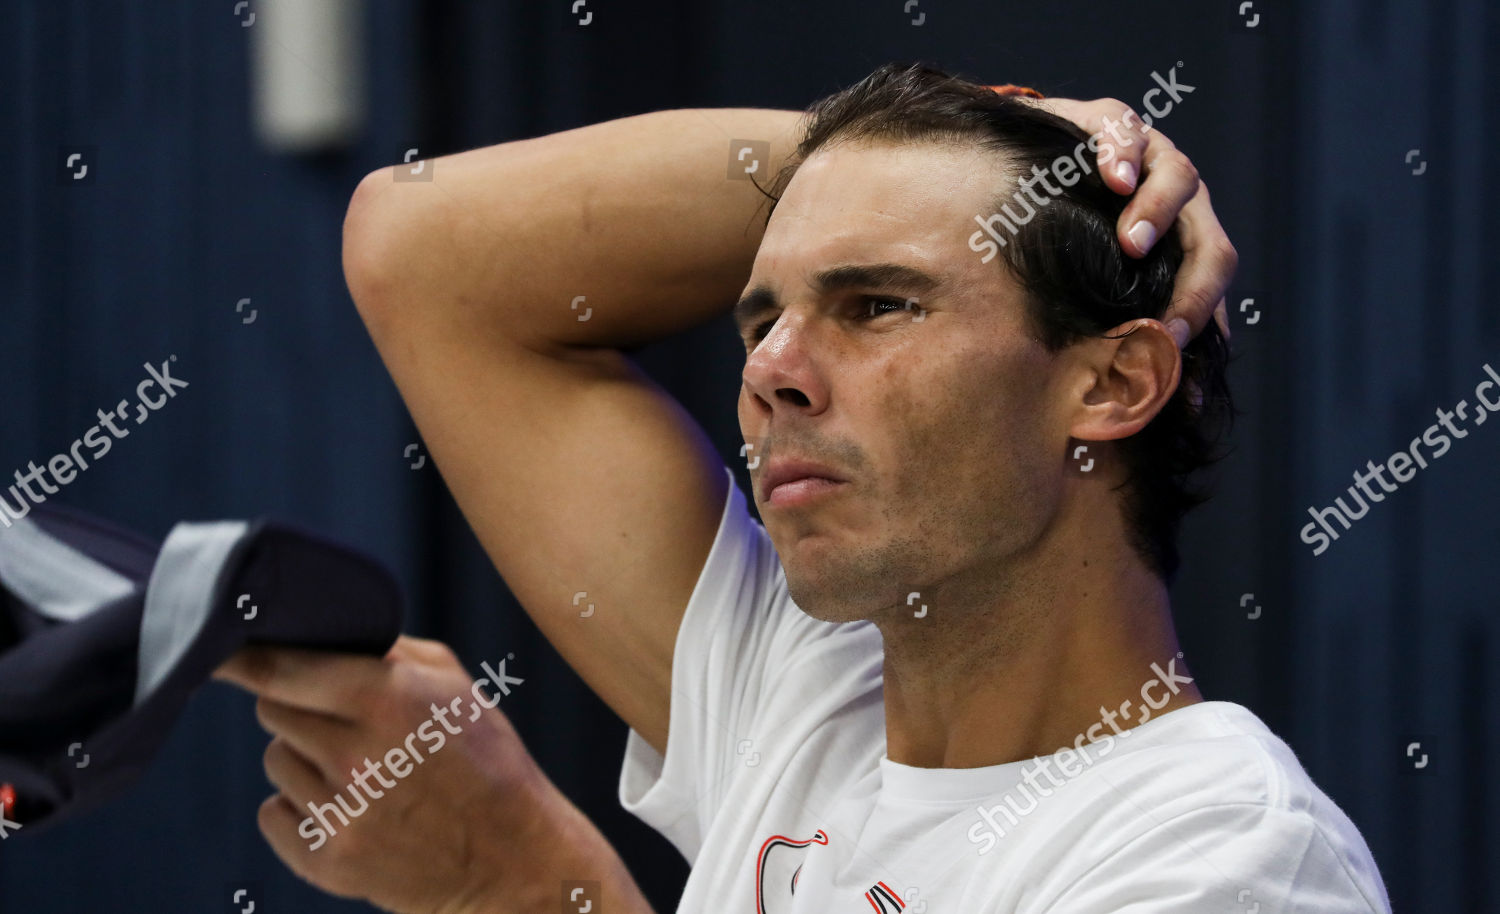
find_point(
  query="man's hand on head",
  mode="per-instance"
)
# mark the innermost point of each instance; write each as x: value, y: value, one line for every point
x: 1166, y: 187
x: 474, y: 826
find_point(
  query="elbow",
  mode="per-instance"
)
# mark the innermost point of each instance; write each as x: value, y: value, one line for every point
x: 372, y: 248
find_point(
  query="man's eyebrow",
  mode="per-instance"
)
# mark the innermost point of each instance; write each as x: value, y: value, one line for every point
x: 874, y: 276
x: 871, y: 276
x: 756, y: 302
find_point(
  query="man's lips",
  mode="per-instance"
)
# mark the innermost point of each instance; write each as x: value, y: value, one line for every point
x: 790, y: 470
x: 802, y: 490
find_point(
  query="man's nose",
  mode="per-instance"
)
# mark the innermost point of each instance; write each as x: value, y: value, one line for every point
x: 782, y: 370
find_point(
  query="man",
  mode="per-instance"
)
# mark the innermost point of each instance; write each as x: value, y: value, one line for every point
x: 943, y: 674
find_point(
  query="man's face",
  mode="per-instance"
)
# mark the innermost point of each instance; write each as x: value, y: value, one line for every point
x: 944, y: 417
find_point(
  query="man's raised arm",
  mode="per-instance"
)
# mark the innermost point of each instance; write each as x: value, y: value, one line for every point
x: 639, y: 215
x: 499, y: 291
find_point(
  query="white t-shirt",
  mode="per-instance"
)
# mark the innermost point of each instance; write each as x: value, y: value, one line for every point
x: 776, y: 788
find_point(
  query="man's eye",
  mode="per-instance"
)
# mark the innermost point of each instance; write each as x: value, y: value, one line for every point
x: 873, y: 307
x: 869, y: 307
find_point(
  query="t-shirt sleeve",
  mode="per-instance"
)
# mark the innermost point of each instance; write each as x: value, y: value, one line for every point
x: 1234, y: 857
x: 737, y: 620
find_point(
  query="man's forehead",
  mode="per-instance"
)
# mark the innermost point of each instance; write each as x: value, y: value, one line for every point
x: 862, y: 204
x: 887, y: 184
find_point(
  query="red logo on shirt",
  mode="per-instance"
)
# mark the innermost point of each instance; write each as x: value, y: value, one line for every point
x: 882, y: 899
x: 777, y: 869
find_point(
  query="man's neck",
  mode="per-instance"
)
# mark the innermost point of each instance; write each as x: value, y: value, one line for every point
x: 1006, y: 665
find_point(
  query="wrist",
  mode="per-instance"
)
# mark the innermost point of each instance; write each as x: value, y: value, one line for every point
x: 573, y: 852
x: 550, y: 846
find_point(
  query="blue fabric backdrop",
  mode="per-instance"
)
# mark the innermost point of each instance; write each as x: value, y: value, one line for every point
x: 1369, y: 312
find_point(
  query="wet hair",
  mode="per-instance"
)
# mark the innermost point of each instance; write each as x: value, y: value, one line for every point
x: 1078, y: 282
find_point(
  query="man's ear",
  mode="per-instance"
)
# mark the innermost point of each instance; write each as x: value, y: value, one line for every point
x: 1125, y: 378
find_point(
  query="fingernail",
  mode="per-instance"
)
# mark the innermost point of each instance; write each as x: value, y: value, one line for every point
x: 1179, y: 330
x: 1143, y: 234
x: 1126, y: 173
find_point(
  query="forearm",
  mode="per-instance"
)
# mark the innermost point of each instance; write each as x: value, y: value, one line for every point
x: 639, y: 216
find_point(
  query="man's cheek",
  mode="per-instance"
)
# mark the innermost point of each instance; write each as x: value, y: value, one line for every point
x: 925, y: 431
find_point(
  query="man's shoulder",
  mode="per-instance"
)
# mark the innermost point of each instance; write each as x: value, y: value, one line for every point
x: 1208, y: 754
x: 1210, y: 787
x: 1211, y: 749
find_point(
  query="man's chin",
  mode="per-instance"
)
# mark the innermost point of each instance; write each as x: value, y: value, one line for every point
x: 824, y: 604
x: 826, y: 613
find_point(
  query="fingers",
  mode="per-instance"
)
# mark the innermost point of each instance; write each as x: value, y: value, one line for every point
x: 1121, y: 136
x: 311, y: 735
x: 1134, y: 158
x: 1171, y: 181
x: 296, y: 777
x: 1171, y: 190
x: 1123, y: 141
x: 1208, y: 266
x: 279, y: 820
x: 335, y: 871
x: 422, y: 650
x: 313, y: 680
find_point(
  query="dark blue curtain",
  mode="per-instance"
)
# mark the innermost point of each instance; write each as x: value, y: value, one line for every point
x: 1343, y: 143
